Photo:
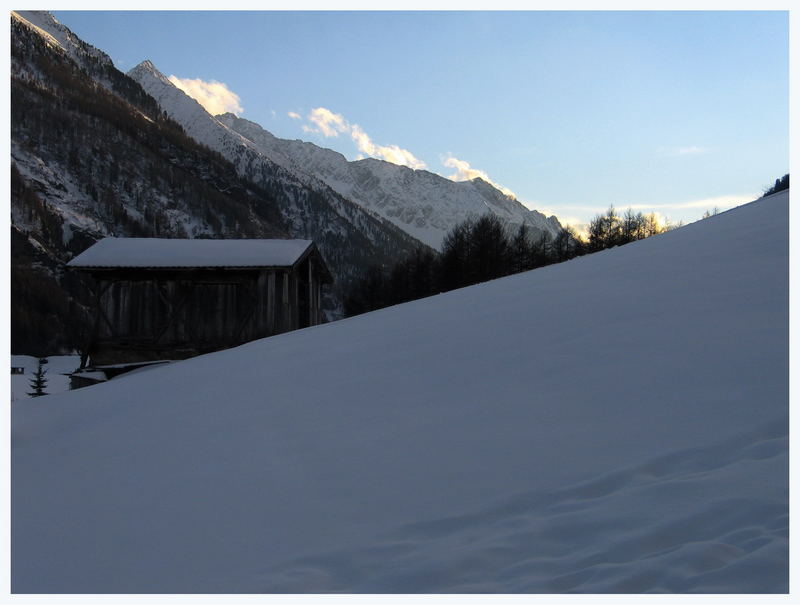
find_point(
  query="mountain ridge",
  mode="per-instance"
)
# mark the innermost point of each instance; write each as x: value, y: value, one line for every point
x: 93, y: 155
x: 425, y: 204
x: 253, y: 164
x: 422, y: 203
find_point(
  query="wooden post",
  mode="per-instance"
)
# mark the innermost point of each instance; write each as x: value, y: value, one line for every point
x: 99, y: 313
x: 318, y: 287
x: 286, y: 319
x: 271, y: 303
x: 311, y: 321
x: 295, y: 302
x: 246, y: 289
x: 173, y: 309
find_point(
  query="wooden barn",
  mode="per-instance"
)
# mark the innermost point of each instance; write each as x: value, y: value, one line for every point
x: 162, y: 299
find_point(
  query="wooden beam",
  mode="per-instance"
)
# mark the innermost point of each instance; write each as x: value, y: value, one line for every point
x: 318, y: 287
x: 101, y: 311
x: 189, y: 328
x: 286, y: 316
x: 271, y: 302
x: 310, y: 288
x: 101, y: 289
x: 174, y: 309
x: 295, y: 304
x: 245, y: 288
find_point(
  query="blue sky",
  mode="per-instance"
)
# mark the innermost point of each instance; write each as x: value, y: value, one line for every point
x: 674, y: 112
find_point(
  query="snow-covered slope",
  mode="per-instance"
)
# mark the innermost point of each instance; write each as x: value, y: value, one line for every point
x: 195, y: 120
x: 422, y: 203
x: 616, y: 423
x: 94, y: 62
x: 58, y: 36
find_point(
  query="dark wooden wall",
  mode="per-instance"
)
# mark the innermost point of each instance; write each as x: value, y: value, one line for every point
x: 150, y: 314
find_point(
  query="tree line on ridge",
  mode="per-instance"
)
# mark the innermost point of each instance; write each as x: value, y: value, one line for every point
x: 481, y: 249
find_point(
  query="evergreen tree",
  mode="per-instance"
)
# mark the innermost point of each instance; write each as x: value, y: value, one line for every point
x: 540, y: 252
x: 39, y: 382
x: 454, y: 258
x: 564, y: 245
x: 780, y: 184
x: 631, y: 227
x: 488, y: 256
x: 520, y: 248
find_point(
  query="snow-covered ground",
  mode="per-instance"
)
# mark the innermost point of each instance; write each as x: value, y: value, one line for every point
x: 57, y: 368
x: 616, y: 423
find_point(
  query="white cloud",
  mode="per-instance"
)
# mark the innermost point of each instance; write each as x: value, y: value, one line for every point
x: 326, y: 122
x: 294, y: 115
x: 329, y: 124
x: 215, y: 97
x: 390, y: 153
x: 465, y: 172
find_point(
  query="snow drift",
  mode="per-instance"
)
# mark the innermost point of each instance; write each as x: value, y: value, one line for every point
x: 616, y: 423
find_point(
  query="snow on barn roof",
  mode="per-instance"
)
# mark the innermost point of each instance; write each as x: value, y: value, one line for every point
x: 153, y: 252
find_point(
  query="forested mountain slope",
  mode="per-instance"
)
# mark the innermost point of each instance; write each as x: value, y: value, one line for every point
x: 93, y: 155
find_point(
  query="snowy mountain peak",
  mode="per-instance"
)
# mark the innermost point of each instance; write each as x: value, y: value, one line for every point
x: 198, y: 123
x: 478, y: 181
x: 146, y: 68
x: 57, y: 35
x: 424, y: 204
x: 147, y: 65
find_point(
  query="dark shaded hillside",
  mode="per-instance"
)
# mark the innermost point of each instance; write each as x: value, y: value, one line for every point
x: 93, y: 155
x: 88, y: 163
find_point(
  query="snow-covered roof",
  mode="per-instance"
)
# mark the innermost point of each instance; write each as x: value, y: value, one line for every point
x: 165, y: 253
